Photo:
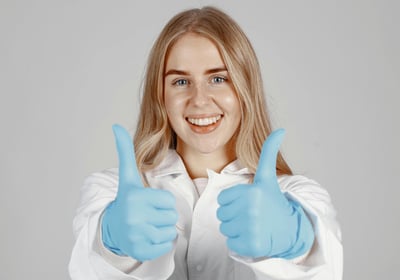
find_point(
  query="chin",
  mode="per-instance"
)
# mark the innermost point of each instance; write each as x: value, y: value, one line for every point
x: 207, y: 149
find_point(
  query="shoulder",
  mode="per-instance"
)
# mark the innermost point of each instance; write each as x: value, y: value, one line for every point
x: 309, y: 193
x: 290, y: 182
x: 304, y: 189
x: 109, y: 175
x: 105, y: 178
x: 100, y: 184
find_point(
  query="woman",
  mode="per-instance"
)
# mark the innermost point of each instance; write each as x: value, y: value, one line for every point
x: 218, y: 203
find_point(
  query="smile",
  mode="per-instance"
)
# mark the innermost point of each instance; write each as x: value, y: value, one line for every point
x: 204, y: 125
x: 204, y: 121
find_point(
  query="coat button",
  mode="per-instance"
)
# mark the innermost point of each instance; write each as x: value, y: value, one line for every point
x: 199, y: 268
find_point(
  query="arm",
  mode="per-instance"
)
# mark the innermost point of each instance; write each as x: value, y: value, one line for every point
x: 267, y: 227
x: 325, y: 259
x: 90, y: 259
x: 123, y: 230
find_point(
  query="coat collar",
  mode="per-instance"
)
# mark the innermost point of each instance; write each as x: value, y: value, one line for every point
x: 173, y: 165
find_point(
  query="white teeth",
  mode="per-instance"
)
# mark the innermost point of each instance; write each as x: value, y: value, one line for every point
x: 204, y: 121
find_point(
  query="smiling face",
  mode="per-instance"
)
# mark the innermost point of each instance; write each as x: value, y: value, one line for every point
x: 201, y: 103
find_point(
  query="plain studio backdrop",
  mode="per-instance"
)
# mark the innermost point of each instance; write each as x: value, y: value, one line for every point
x: 71, y: 69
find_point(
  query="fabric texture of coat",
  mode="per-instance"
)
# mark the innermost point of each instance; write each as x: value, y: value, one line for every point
x: 200, y: 250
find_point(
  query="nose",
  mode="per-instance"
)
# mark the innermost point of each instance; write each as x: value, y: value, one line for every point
x: 200, y: 95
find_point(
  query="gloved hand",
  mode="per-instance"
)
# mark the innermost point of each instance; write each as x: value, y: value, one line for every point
x: 140, y: 222
x: 257, y: 219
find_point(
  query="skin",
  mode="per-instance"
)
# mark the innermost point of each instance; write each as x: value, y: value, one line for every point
x: 198, y: 89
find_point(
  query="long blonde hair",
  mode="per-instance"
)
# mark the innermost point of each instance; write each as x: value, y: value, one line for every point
x: 154, y: 135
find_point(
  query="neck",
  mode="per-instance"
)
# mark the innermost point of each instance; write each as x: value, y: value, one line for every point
x: 197, y: 163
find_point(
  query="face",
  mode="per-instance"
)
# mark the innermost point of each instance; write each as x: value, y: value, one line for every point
x: 202, y: 106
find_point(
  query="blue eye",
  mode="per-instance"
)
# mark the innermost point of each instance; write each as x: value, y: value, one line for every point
x: 181, y: 82
x: 218, y: 79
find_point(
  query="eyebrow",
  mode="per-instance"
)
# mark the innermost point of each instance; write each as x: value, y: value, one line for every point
x: 185, y: 73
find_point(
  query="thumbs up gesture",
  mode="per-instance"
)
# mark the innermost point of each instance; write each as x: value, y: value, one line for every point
x: 140, y: 222
x: 257, y: 219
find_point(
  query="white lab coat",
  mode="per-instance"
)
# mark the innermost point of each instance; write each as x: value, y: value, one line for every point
x: 200, y: 250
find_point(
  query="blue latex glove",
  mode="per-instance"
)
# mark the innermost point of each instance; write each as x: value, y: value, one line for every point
x: 257, y: 219
x: 140, y: 222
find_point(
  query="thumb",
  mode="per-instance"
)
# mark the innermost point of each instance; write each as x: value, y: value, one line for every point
x: 267, y: 163
x: 128, y: 172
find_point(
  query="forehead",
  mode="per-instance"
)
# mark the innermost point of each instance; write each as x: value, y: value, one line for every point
x: 193, y: 51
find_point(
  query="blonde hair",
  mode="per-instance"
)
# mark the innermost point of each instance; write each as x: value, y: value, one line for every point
x: 154, y: 135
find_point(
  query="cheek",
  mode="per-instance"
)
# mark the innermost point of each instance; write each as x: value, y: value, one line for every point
x: 232, y: 106
x: 230, y: 103
x: 175, y: 106
x: 168, y: 101
x: 171, y: 103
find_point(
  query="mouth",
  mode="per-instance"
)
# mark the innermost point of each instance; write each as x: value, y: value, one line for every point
x: 204, y: 121
x: 204, y: 124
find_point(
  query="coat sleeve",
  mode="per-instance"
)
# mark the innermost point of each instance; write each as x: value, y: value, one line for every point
x: 325, y: 259
x: 89, y: 258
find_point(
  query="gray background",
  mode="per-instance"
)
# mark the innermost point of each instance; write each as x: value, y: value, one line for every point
x: 70, y: 69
